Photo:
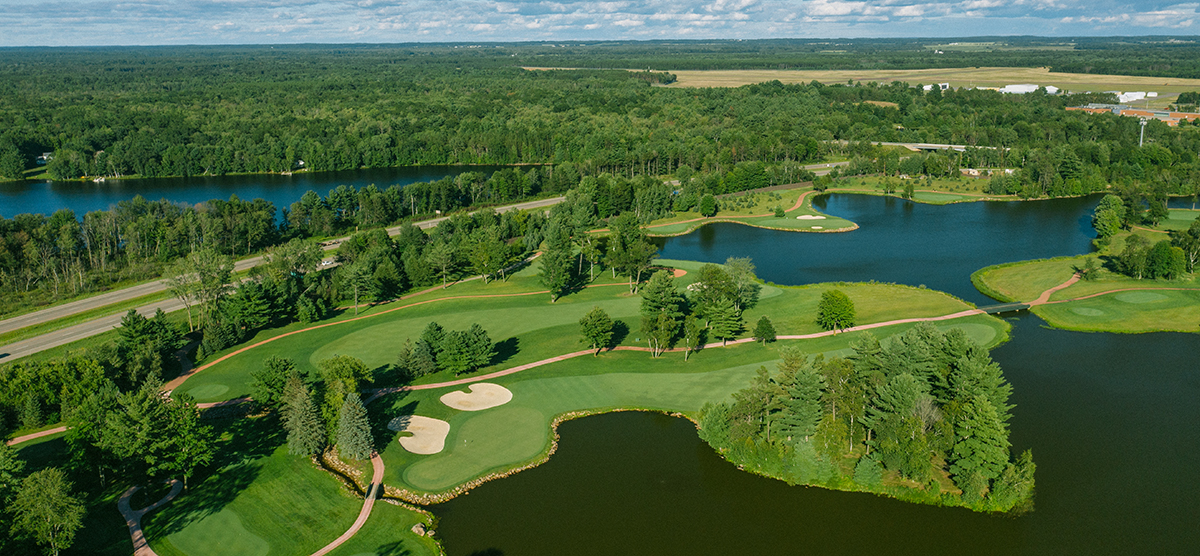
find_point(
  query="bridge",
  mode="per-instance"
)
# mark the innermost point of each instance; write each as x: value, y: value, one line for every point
x: 1004, y: 308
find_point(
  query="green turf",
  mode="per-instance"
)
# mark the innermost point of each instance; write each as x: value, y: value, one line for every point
x: 1137, y: 311
x: 1179, y: 219
x: 381, y: 535
x: 937, y: 198
x: 259, y: 501
x: 1025, y: 281
x: 502, y: 438
x: 530, y: 328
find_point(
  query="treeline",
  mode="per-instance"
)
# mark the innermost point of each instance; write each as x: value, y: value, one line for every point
x: 922, y: 417
x: 212, y: 111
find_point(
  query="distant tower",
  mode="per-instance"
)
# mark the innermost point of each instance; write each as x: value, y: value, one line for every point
x: 1142, y: 138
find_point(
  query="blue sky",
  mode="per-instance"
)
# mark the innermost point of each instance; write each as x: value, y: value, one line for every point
x: 144, y: 22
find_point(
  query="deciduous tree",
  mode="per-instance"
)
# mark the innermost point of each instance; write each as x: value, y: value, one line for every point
x: 597, y: 329
x: 46, y: 509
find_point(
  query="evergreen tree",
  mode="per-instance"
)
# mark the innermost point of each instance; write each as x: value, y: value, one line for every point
x: 305, y: 431
x: 267, y: 383
x: 725, y: 321
x: 342, y: 374
x: 868, y: 472
x: 45, y: 509
x: 480, y: 347
x: 557, y: 260
x: 981, y: 444
x: 354, y: 430
x: 597, y: 329
x: 661, y: 296
x: 764, y: 331
x: 422, y: 361
x: 456, y: 356
x: 433, y: 336
x: 11, y: 467
x: 835, y: 311
x: 801, y: 402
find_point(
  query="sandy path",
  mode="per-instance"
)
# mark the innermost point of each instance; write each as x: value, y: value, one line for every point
x: 368, y: 504
x: 1045, y: 297
x: 133, y: 518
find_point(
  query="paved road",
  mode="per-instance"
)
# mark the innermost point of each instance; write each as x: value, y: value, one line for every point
x: 80, y: 331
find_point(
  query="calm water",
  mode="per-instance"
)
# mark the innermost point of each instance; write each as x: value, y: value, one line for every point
x: 46, y: 197
x: 900, y: 241
x: 1111, y: 420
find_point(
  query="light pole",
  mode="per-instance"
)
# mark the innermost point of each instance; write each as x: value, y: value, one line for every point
x: 1142, y: 138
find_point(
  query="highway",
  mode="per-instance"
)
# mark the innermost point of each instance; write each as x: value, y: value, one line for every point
x: 101, y: 325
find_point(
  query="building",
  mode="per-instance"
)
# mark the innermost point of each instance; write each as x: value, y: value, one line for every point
x: 1170, y: 118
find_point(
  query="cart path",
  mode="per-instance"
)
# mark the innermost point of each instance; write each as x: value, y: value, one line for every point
x: 1045, y: 297
x: 365, y: 513
x: 133, y: 518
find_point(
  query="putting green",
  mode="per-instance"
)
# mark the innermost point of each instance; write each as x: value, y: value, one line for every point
x: 1140, y: 297
x: 936, y: 197
x: 207, y: 391
x: 219, y: 534
x: 487, y: 440
x: 1087, y: 311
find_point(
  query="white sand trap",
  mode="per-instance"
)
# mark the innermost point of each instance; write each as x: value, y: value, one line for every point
x: 429, y: 434
x: 810, y: 217
x: 818, y: 228
x: 484, y: 395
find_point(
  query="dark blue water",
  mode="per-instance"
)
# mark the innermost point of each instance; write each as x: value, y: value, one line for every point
x: 1110, y: 418
x: 901, y: 241
x: 46, y: 197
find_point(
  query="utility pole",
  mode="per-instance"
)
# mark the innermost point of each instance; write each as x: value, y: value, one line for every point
x: 1142, y: 138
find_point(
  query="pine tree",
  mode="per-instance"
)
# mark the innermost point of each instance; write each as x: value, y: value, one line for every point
x: 305, y: 432
x: 725, y: 321
x: 981, y: 445
x: 764, y: 331
x: 456, y: 355
x: 480, y: 347
x: 433, y: 336
x: 354, y: 430
x: 422, y: 361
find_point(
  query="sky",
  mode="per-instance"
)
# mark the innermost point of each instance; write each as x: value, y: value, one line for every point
x: 164, y: 22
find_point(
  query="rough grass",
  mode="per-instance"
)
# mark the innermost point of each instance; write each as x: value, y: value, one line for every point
x: 957, y: 77
x: 685, y: 222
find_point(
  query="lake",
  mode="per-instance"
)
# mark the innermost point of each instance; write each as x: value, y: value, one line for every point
x: 46, y: 197
x: 1111, y: 420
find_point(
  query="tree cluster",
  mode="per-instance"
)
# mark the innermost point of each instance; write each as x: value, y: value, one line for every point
x: 453, y: 351
x: 927, y: 410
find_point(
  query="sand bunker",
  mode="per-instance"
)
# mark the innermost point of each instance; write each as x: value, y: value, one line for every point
x: 483, y: 395
x: 810, y: 217
x: 818, y: 227
x: 429, y: 434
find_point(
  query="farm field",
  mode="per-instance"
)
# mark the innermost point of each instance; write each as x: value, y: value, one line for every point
x: 957, y: 77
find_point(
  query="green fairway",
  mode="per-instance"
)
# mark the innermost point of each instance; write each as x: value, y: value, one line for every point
x: 686, y: 222
x: 518, y: 433
x: 1179, y: 219
x: 530, y: 328
x: 260, y: 501
x: 1132, y: 311
x: 1025, y: 281
x: 937, y: 198
x: 387, y: 533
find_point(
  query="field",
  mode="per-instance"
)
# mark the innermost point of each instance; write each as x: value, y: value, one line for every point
x: 755, y: 209
x: 957, y: 77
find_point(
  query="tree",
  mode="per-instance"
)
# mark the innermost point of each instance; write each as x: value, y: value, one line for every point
x: 214, y: 272
x: 354, y: 430
x: 800, y: 402
x: 305, y: 433
x: 556, y: 260
x: 708, y: 205
x: 441, y: 255
x: 423, y: 361
x: 835, y: 311
x: 725, y: 321
x: 183, y: 282
x: 981, y: 443
x: 659, y: 329
x: 662, y: 311
x: 629, y: 250
x: 11, y: 467
x: 1109, y: 216
x: 456, y: 353
x: 1189, y: 242
x: 480, y: 346
x: 342, y: 374
x: 268, y: 382
x: 741, y: 272
x: 1134, y: 257
x: 45, y: 509
x: 189, y: 444
x: 693, y: 335
x: 712, y: 285
x: 764, y: 331
x: 357, y: 276
x: 1165, y: 261
x: 597, y: 329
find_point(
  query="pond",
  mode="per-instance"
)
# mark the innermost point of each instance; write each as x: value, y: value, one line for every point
x: 1110, y: 418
